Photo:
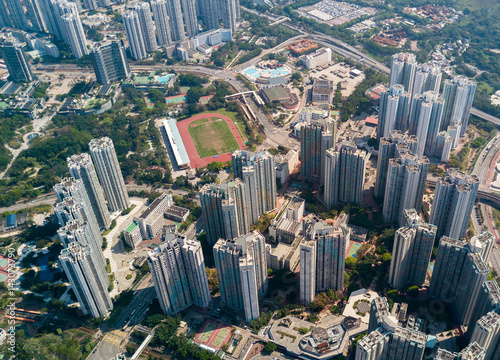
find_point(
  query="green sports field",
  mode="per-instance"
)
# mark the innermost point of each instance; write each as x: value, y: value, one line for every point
x: 212, y: 138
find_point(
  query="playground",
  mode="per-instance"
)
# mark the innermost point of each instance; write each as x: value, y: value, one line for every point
x: 213, y: 334
x: 353, y: 249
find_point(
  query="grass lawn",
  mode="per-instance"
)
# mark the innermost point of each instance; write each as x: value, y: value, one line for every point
x: 199, y: 122
x: 213, y: 138
x: 241, y: 126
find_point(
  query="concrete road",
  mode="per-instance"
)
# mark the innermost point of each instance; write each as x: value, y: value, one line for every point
x: 483, y: 164
x: 109, y: 347
x: 45, y: 199
x: 51, y: 199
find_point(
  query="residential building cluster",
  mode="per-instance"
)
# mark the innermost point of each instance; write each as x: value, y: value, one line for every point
x: 397, y: 336
x: 85, y: 202
x: 412, y: 103
x: 175, y: 21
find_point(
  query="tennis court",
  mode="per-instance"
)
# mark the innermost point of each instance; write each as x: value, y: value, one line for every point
x: 205, y: 99
x: 148, y: 102
x: 177, y: 99
x: 213, y: 334
x: 222, y: 335
x: 207, y: 332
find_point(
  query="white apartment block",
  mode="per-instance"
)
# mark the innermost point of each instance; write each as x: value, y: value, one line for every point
x: 318, y: 58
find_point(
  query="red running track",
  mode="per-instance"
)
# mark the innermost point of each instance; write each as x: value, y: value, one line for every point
x: 194, y: 158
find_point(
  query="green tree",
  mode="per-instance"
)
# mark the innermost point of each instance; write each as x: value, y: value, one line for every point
x: 413, y: 291
x: 270, y: 347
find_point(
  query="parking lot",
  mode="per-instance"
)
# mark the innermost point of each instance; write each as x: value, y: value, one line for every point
x: 339, y: 73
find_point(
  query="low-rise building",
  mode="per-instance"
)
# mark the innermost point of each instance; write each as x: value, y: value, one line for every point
x: 311, y: 113
x: 284, y: 256
x: 322, y: 91
x: 132, y: 235
x: 177, y: 213
x: 284, y: 230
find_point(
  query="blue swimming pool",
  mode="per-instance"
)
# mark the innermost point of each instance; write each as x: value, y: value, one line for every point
x: 251, y: 72
x: 45, y: 273
x: 164, y: 79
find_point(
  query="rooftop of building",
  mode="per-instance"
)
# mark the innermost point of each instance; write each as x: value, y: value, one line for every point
x: 176, y: 211
x: 483, y: 237
x: 153, y: 218
x: 278, y: 80
x: 443, y: 354
x: 490, y: 320
x: 323, y: 83
x: 319, y: 52
x: 289, y: 226
x: 472, y: 351
x: 154, y: 205
x: 79, y: 160
x: 296, y: 203
x: 322, y: 90
x: 459, y: 178
x: 412, y: 335
x: 221, y: 188
x: 312, y: 110
x: 176, y: 143
x: 100, y: 143
x: 290, y: 154
x: 492, y: 288
x: 405, y: 56
x: 373, y: 338
x: 131, y: 227
x: 452, y: 242
x: 276, y: 93
x: 281, y: 250
x: 479, y: 263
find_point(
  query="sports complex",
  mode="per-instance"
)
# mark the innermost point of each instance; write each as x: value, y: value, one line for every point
x: 213, y: 335
x: 203, y: 139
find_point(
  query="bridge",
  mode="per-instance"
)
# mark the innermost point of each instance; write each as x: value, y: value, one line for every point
x: 483, y: 195
x: 280, y: 21
x: 147, y: 340
x: 256, y: 96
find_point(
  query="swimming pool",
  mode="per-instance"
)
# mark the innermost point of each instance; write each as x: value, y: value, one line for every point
x: 164, y: 79
x: 251, y: 71
x: 254, y: 73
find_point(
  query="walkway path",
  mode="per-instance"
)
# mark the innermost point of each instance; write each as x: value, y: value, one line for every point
x: 112, y: 238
